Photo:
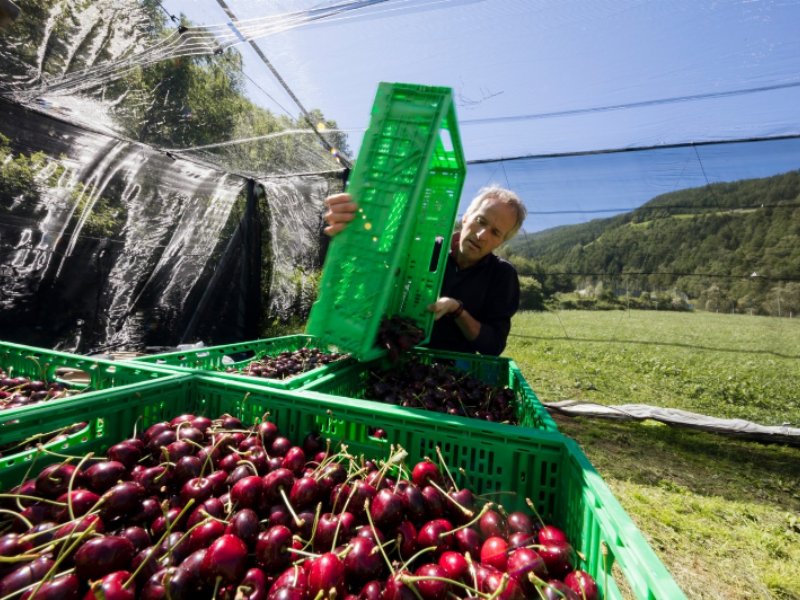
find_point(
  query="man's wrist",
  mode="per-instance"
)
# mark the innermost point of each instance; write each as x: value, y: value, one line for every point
x: 457, y: 312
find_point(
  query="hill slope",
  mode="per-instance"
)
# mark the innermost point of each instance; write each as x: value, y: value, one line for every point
x: 694, y: 240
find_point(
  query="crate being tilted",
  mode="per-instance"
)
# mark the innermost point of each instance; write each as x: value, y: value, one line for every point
x: 389, y: 262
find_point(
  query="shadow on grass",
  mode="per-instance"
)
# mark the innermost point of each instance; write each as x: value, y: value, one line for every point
x: 654, y: 454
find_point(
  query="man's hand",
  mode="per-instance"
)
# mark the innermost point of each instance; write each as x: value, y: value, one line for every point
x: 443, y: 306
x: 341, y: 210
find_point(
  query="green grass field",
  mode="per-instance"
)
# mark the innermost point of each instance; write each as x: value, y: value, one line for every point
x: 722, y: 514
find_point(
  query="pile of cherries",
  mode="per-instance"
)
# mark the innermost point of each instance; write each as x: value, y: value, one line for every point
x: 195, y: 508
x: 16, y: 392
x: 398, y: 335
x: 443, y: 388
x: 288, y: 363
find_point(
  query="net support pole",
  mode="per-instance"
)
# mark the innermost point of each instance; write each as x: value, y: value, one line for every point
x: 251, y: 264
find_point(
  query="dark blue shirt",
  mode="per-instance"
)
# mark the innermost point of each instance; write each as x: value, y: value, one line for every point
x: 490, y: 293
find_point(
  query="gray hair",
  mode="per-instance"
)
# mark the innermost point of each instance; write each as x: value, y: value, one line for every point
x: 505, y: 196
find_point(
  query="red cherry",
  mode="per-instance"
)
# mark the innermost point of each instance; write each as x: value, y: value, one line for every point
x: 225, y: 558
x: 582, y: 584
x: 493, y: 553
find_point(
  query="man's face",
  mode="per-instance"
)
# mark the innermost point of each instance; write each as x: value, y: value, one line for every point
x: 484, y: 230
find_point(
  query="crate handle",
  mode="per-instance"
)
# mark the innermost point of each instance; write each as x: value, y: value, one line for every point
x: 435, y: 253
x: 71, y: 376
x: 239, y: 356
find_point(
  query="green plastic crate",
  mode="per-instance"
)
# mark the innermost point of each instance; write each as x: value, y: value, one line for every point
x: 215, y: 359
x: 390, y: 260
x: 91, y: 376
x: 544, y: 466
x: 113, y: 414
x: 81, y: 372
x: 491, y: 370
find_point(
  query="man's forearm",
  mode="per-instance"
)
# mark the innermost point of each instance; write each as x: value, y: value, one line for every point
x: 469, y: 325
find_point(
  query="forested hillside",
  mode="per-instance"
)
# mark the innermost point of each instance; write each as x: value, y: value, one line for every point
x: 727, y: 246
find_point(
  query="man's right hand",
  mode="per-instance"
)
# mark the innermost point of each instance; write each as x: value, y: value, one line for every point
x: 341, y: 210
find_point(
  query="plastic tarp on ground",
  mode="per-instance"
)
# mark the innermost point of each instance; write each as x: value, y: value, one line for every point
x: 741, y: 428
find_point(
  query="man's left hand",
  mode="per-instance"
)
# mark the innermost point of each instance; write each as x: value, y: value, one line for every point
x: 443, y: 306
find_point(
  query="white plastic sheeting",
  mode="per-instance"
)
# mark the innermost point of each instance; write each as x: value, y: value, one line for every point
x: 781, y: 434
x: 538, y: 76
x: 532, y: 78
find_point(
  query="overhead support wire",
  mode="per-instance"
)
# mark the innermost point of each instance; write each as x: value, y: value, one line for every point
x: 234, y: 25
x: 172, y: 17
x: 653, y: 102
x: 774, y: 138
x: 691, y: 208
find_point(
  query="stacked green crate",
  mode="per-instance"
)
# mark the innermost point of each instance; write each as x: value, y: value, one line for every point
x: 85, y: 377
x: 227, y: 361
x: 545, y: 467
x: 390, y: 260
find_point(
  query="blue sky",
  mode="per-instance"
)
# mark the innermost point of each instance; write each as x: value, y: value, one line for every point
x: 533, y: 77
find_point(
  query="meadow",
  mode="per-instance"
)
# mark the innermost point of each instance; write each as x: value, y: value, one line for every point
x: 723, y: 514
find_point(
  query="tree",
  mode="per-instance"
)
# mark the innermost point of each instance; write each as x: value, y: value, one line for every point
x: 530, y: 294
x: 783, y: 300
x: 715, y: 299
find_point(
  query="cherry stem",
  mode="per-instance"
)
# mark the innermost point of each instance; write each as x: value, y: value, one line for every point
x: 297, y: 520
x: 216, y: 586
x: 314, y: 525
x: 18, y: 558
x: 303, y: 552
x: 72, y: 483
x: 24, y: 479
x: 471, y: 568
x: 350, y: 495
x: 541, y: 583
x: 415, y: 556
x: 377, y: 539
x: 18, y: 516
x: 467, y: 512
x: 453, y: 582
x: 38, y: 436
x: 164, y: 535
x: 446, y: 470
x: 64, y: 553
x: 67, y: 457
x: 339, y: 524
x: 329, y: 458
x: 35, y: 584
x: 34, y: 498
x: 209, y: 454
x: 532, y: 506
x: 486, y: 508
x: 395, y: 456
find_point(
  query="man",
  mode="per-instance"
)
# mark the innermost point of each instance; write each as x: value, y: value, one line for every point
x: 480, y: 291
